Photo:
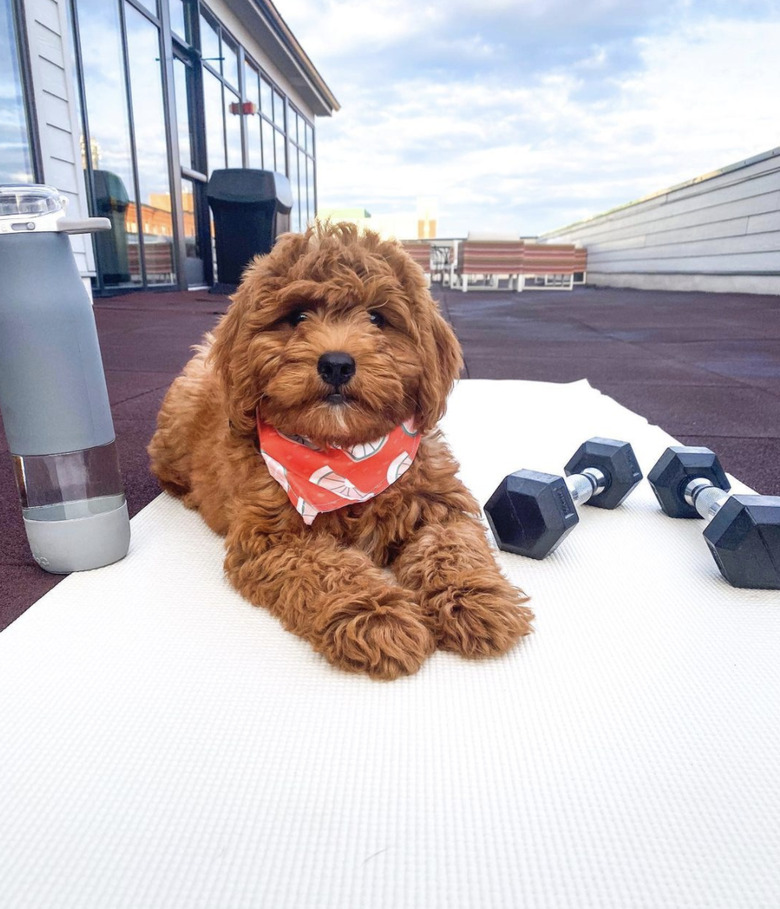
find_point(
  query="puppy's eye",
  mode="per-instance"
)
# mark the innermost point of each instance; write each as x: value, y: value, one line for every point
x: 296, y: 317
x: 376, y: 318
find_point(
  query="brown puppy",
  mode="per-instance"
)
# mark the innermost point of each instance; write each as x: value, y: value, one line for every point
x: 335, y: 338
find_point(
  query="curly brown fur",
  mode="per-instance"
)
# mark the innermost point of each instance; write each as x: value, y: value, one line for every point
x: 375, y: 586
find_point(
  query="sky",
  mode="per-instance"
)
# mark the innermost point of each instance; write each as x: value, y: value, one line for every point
x: 521, y: 117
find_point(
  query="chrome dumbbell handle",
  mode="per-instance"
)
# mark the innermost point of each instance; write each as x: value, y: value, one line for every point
x: 583, y: 486
x: 706, y: 498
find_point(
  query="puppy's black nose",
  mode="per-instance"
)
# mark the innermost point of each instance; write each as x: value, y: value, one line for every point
x: 336, y: 368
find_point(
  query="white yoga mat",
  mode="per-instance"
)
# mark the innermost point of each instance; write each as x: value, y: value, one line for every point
x: 165, y: 744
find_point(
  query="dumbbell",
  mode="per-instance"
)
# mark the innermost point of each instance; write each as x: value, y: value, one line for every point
x: 743, y: 532
x: 530, y: 512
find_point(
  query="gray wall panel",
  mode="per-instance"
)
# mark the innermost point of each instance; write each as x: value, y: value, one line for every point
x: 722, y: 224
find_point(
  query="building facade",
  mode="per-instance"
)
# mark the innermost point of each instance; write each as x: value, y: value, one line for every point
x: 127, y: 107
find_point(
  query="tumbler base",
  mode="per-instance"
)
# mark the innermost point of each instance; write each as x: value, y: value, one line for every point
x: 79, y: 544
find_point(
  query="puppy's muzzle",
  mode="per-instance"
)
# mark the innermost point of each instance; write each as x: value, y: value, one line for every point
x: 336, y: 368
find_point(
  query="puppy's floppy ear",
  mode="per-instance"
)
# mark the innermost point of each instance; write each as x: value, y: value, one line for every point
x: 229, y: 354
x: 229, y: 351
x: 440, y: 353
x: 226, y: 355
x: 442, y: 362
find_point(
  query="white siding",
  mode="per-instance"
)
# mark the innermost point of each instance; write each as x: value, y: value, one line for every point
x: 718, y: 233
x: 54, y: 90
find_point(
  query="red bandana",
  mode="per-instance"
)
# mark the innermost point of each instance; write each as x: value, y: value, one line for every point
x: 324, y: 479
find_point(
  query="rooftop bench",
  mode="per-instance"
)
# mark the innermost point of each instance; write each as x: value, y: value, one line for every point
x: 553, y: 265
x: 491, y: 260
x: 158, y: 258
x: 581, y: 265
x: 420, y: 253
x: 541, y: 265
x: 433, y: 257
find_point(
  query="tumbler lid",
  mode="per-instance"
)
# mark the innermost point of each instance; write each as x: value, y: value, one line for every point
x: 26, y: 202
x: 27, y: 207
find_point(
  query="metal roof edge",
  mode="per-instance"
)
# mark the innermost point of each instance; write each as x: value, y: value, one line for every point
x: 303, y: 74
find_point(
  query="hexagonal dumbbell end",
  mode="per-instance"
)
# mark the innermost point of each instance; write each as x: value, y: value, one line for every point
x: 616, y: 460
x: 530, y: 513
x: 744, y: 539
x: 675, y: 469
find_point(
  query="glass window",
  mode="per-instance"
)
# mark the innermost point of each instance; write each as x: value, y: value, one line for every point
x: 193, y: 263
x: 279, y: 143
x: 223, y: 126
x: 156, y: 227
x: 278, y: 110
x: 266, y: 98
x: 212, y: 234
x: 295, y: 214
x: 251, y: 93
x: 233, y: 131
x: 151, y: 5
x: 15, y: 158
x: 209, y: 43
x: 215, y: 129
x: 301, y: 166
x: 182, y: 112
x: 269, y: 156
x: 229, y: 61
x: 292, y: 130
x: 178, y: 25
x: 109, y: 152
x: 310, y: 208
x: 251, y: 83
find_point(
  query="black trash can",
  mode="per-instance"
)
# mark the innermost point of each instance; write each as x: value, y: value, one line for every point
x: 111, y: 201
x: 251, y: 208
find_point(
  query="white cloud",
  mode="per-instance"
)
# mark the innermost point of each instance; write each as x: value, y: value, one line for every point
x: 340, y: 27
x: 508, y: 149
x: 713, y: 89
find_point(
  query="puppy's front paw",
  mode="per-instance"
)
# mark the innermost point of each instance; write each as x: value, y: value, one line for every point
x: 479, y: 623
x: 383, y: 636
